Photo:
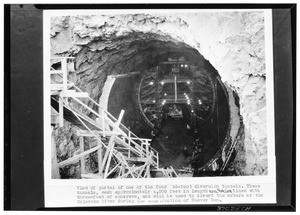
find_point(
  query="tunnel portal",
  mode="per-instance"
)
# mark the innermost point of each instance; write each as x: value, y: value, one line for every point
x: 180, y: 103
x: 209, y: 112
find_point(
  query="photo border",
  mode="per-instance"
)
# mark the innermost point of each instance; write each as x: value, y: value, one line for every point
x: 278, y: 105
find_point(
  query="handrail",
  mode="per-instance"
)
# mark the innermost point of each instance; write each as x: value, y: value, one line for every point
x: 114, y: 119
x: 93, y: 149
x: 106, y: 112
x: 131, y: 141
x: 127, y: 133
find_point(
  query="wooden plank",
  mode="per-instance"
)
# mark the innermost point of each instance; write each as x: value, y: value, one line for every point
x: 175, y: 87
x: 136, y: 159
x: 70, y: 116
x: 113, y: 169
x: 54, y: 118
x: 55, y: 72
x: 109, y: 121
x: 65, y: 73
x: 174, y: 171
x: 82, y: 159
x: 86, y: 133
x: 142, y: 139
x: 119, y: 156
x: 56, y: 87
x: 112, y: 143
x: 61, y: 112
x: 147, y: 174
x: 75, y: 158
x: 110, y: 147
x: 131, y: 171
x: 142, y: 169
x: 54, y: 166
x: 132, y: 149
x: 100, y: 157
x: 59, y: 58
x: 73, y: 93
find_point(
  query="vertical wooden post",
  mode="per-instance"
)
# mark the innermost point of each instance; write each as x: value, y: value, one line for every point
x: 65, y: 74
x: 54, y: 169
x: 147, y: 148
x: 129, y: 142
x: 103, y: 122
x: 148, y: 171
x: 110, y: 146
x: 123, y: 169
x: 129, y: 137
x: 61, y: 112
x: 82, y: 159
x: 100, y: 155
x: 109, y: 157
x: 175, y: 87
x: 128, y: 151
x: 141, y: 150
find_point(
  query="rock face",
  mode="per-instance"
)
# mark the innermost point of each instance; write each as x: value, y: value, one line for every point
x: 232, y: 42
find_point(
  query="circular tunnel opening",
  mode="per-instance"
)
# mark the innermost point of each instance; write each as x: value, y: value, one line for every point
x: 169, y: 92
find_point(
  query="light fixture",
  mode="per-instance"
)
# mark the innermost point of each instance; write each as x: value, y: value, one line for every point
x: 164, y: 101
x: 192, y: 111
x: 188, y: 82
x: 162, y: 83
x: 200, y: 102
x: 186, y: 65
x: 153, y: 101
x: 165, y: 94
x: 151, y: 83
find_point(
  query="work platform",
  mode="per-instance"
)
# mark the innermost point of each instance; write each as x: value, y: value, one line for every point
x: 121, y: 153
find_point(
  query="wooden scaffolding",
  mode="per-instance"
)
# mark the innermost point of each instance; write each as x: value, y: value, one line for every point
x: 121, y: 153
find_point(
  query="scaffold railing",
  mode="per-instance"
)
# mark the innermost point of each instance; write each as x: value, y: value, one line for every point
x: 121, y: 153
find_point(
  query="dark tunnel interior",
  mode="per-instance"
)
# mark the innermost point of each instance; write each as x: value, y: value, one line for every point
x: 189, y: 119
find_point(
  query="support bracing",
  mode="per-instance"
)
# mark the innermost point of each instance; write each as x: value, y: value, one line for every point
x: 120, y: 152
